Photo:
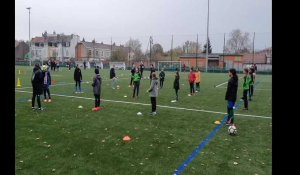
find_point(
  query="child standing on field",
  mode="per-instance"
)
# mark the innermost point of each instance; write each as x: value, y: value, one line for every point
x: 252, y: 81
x: 161, y: 78
x: 232, y: 87
x: 192, y: 78
x: 46, y: 82
x: 153, y: 93
x: 176, y: 84
x: 77, y: 79
x: 197, y: 81
x: 136, y: 82
x: 246, y: 85
x: 97, y: 82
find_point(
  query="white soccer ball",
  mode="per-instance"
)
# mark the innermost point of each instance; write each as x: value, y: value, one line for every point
x: 232, y: 130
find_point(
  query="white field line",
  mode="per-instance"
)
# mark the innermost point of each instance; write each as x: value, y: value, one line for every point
x: 144, y: 104
x: 63, y: 84
x: 224, y: 83
x: 254, y: 89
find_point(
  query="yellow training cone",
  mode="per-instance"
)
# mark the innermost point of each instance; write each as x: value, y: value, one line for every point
x: 19, y: 83
x: 217, y: 122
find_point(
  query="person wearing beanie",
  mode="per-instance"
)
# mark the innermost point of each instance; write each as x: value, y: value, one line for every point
x: 97, y: 82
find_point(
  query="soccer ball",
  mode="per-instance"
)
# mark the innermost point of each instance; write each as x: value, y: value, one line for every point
x: 232, y: 130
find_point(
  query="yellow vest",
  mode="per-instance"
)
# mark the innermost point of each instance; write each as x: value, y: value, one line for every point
x: 198, y: 77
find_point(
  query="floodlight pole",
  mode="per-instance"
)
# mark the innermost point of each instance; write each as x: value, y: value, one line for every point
x: 207, y: 37
x: 29, y: 55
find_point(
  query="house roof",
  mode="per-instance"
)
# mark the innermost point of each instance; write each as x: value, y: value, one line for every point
x: 38, y: 40
x: 100, y: 45
x: 199, y: 55
x: 52, y: 39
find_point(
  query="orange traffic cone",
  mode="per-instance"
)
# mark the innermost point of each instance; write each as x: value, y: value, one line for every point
x: 126, y: 138
x: 19, y: 83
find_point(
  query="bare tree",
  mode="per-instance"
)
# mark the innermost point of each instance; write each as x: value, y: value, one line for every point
x: 238, y: 42
x: 191, y: 47
x: 119, y: 54
x: 136, y: 47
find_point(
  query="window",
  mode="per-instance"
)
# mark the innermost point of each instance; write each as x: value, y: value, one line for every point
x: 90, y: 52
x: 55, y: 44
x: 102, y: 53
x: 42, y: 45
x: 49, y: 44
x: 63, y: 44
x: 67, y: 44
x: 36, y: 44
x: 67, y: 53
x: 96, y: 52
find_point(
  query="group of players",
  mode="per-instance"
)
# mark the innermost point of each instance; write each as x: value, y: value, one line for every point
x: 41, y: 80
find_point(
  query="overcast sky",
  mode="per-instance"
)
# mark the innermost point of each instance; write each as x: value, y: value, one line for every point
x: 138, y: 19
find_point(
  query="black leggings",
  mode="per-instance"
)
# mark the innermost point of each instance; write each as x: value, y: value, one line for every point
x: 176, y: 92
x: 245, y: 92
x: 97, y: 100
x: 250, y: 91
x: 153, y: 103
x: 35, y: 94
x: 192, y: 88
x: 136, y: 88
x: 161, y: 83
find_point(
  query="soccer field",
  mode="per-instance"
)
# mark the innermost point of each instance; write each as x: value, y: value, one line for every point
x: 65, y: 139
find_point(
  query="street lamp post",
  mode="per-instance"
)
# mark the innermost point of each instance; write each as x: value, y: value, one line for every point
x: 29, y: 55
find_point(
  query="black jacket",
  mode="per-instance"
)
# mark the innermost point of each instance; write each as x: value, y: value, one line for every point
x: 112, y: 73
x: 77, y: 74
x: 37, y: 81
x: 176, y: 82
x: 232, y: 88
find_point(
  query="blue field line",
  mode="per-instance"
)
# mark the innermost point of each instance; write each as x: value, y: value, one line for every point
x: 206, y: 140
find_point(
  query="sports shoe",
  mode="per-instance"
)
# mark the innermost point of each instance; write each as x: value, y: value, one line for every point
x: 76, y: 92
x: 245, y: 109
x: 98, y: 108
x: 49, y: 100
x: 41, y: 109
x: 45, y: 100
x: 33, y: 108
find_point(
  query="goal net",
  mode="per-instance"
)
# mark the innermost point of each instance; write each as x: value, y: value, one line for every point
x: 118, y: 65
x: 169, y: 65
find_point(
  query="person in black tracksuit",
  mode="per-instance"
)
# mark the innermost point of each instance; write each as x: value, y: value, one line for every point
x: 230, y: 96
x: 77, y: 79
x: 176, y: 84
x: 132, y: 74
x: 97, y: 82
x: 37, y: 86
x: 252, y: 81
x: 161, y: 78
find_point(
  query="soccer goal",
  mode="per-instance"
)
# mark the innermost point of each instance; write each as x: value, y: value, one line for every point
x: 169, y: 65
x: 118, y: 65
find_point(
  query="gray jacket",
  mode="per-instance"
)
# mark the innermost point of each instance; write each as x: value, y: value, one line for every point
x: 153, y: 88
x: 97, y: 81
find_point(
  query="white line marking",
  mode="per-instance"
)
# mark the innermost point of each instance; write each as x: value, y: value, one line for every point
x: 254, y: 89
x: 144, y: 104
x: 224, y: 83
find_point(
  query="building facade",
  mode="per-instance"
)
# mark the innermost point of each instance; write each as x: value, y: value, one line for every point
x: 54, y: 46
